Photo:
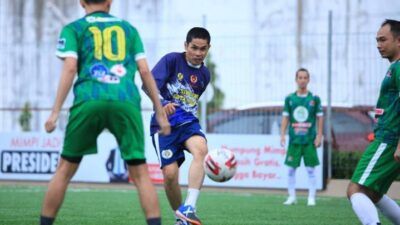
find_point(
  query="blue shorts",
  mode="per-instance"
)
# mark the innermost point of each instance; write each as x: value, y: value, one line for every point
x: 171, y: 148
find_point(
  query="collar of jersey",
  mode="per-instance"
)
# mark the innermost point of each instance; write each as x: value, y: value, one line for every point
x: 95, y: 12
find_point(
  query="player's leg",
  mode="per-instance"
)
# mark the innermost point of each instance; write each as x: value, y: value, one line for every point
x: 147, y: 193
x: 362, y: 204
x: 389, y: 208
x: 197, y: 146
x: 373, y: 176
x: 57, y: 188
x: 311, y: 161
x: 171, y: 185
x: 293, y: 158
x: 171, y: 156
x: 124, y: 120
x: 84, y: 121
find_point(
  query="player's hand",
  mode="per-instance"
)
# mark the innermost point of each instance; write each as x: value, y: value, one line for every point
x: 162, y: 120
x: 397, y: 154
x: 317, y: 141
x: 170, y: 108
x: 283, y: 140
x: 51, y: 122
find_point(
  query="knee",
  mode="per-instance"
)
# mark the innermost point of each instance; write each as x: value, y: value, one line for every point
x: 310, y: 172
x: 199, y: 153
x: 170, y: 175
x: 352, y: 188
x: 291, y: 172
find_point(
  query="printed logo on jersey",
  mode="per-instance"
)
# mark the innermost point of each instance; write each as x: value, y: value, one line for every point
x: 389, y: 73
x: 61, y: 43
x: 193, y: 79
x: 300, y: 113
x: 93, y: 19
x: 166, y: 154
x: 118, y: 70
x: 183, y: 94
x: 101, y: 73
x: 312, y: 103
x: 180, y: 76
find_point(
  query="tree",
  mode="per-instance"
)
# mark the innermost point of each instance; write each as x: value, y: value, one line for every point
x: 217, y: 101
x: 25, y: 117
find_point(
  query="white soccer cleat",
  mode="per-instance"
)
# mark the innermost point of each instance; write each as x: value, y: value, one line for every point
x: 290, y: 201
x: 311, y: 202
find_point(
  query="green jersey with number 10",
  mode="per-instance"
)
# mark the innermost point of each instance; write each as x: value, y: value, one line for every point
x: 107, y: 49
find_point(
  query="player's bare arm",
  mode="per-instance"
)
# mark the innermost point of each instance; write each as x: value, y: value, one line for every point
x: 397, y: 153
x: 152, y: 92
x: 284, y: 124
x: 67, y: 77
x: 318, y: 138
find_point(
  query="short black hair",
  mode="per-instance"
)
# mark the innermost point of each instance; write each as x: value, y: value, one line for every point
x: 198, y: 32
x: 394, y: 26
x: 302, y: 70
x: 94, y: 1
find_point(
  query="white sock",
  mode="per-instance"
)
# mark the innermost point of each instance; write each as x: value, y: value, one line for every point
x: 390, y: 209
x: 312, y: 180
x: 192, y: 195
x: 292, y: 182
x: 364, y: 209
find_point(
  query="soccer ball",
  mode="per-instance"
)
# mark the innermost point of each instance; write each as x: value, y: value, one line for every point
x: 220, y: 165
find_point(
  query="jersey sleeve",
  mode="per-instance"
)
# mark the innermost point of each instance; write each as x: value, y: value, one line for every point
x: 318, y: 106
x: 161, y: 71
x: 67, y: 45
x: 138, y: 49
x: 286, y: 107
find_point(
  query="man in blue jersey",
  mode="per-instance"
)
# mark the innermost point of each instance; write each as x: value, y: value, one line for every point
x: 181, y: 79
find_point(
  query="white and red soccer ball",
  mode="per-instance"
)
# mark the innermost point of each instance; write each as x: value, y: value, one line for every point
x: 220, y: 164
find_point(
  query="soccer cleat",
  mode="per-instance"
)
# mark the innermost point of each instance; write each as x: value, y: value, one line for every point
x: 187, y: 213
x: 180, y: 222
x: 290, y: 201
x: 311, y: 202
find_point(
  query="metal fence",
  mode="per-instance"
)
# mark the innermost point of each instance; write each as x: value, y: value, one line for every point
x: 254, y: 70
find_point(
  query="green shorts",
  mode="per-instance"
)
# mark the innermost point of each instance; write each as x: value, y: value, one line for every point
x: 377, y: 168
x: 88, y: 119
x: 297, y: 151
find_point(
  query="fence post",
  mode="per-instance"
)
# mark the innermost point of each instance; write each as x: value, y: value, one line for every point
x: 203, y: 118
x: 329, y: 95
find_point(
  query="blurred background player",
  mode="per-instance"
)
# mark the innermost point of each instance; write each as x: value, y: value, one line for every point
x: 380, y: 164
x: 301, y: 111
x: 105, y: 51
x: 182, y: 78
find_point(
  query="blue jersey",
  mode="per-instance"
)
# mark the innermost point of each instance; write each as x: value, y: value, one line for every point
x: 182, y: 84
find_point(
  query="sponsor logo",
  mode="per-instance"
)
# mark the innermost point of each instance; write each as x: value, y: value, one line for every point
x: 109, y: 79
x: 61, y: 43
x: 32, y: 162
x: 193, y: 79
x: 312, y: 103
x: 301, y: 125
x: 300, y: 113
x: 180, y: 76
x: 166, y: 154
x: 389, y: 73
x: 118, y: 70
x: 98, y: 70
x: 101, y: 73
